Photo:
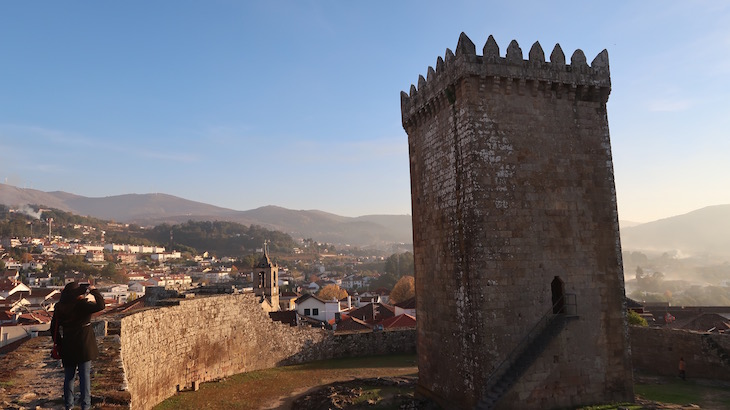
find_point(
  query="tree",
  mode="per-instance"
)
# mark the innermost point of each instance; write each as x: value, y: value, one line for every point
x: 250, y: 260
x: 399, y: 264
x: 639, y: 273
x: 331, y: 292
x: 636, y: 320
x: 403, y: 290
x: 386, y: 280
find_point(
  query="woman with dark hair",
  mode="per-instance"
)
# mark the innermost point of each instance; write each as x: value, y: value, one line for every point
x: 73, y: 316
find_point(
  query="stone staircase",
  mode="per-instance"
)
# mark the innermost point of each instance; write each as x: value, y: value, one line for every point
x: 524, y: 355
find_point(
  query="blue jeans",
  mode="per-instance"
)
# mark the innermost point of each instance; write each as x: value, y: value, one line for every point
x: 84, y: 384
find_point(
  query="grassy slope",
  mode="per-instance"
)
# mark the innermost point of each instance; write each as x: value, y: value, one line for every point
x: 255, y: 390
x: 264, y: 388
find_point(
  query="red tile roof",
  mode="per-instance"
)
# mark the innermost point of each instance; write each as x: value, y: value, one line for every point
x: 352, y: 323
x: 43, y: 292
x: 400, y: 321
x: 38, y: 316
x: 135, y: 304
x: 373, y: 312
x: 407, y: 304
x: 6, y: 285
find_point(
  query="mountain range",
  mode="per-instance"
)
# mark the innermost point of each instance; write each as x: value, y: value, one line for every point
x: 703, y: 232
x: 154, y: 209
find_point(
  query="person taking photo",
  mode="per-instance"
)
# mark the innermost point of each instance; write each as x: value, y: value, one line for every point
x: 72, y: 316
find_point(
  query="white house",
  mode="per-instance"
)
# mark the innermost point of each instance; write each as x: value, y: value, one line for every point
x: 217, y: 276
x: 118, y: 292
x: 407, y: 307
x: 353, y: 282
x: 114, y: 247
x: 39, y: 295
x: 95, y: 256
x: 140, y: 287
x: 161, y: 257
x: 316, y: 308
x: 313, y: 287
x: 8, y: 288
x: 33, y: 265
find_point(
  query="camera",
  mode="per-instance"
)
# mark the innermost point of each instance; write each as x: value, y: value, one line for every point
x: 84, y: 286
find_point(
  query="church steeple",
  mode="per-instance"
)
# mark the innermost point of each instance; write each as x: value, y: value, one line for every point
x: 267, y: 279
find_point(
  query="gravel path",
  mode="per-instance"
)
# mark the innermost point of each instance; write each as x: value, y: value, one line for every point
x: 30, y: 378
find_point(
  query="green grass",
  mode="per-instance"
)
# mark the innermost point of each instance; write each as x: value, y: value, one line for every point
x: 253, y: 390
x: 359, y: 363
x: 256, y: 389
x: 675, y: 391
x: 378, y: 393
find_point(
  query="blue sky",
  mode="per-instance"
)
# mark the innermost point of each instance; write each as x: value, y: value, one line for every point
x: 296, y: 103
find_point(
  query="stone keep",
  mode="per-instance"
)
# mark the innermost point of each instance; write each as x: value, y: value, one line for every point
x: 514, y: 210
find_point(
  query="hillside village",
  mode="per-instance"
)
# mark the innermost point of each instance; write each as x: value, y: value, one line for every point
x: 313, y: 285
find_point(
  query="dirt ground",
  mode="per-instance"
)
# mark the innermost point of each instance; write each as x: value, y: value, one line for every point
x: 30, y: 379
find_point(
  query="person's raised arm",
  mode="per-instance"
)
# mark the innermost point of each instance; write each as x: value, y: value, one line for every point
x: 99, y: 301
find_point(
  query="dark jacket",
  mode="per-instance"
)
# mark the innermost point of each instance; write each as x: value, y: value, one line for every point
x: 78, y: 343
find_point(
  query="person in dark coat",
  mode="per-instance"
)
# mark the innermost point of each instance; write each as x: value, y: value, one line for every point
x: 78, y: 344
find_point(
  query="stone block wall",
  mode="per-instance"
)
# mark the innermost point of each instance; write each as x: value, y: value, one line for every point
x: 167, y: 349
x: 658, y: 350
x: 512, y: 186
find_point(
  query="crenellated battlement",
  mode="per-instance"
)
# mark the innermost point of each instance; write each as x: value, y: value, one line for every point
x: 511, y: 73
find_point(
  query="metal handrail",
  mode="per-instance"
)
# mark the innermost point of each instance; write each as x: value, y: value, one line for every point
x: 546, y: 318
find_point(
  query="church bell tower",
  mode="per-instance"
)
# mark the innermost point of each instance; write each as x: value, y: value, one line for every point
x: 266, y: 280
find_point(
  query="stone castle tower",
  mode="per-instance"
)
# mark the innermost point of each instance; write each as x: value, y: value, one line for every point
x: 266, y: 281
x: 519, y: 278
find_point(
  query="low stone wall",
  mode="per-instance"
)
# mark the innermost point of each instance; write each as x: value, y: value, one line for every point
x: 168, y: 349
x: 658, y: 350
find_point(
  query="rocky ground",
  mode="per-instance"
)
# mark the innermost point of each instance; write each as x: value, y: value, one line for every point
x: 31, y: 379
x: 397, y: 393
x: 373, y: 393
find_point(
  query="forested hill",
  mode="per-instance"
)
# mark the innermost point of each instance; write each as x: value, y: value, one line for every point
x: 218, y: 238
x: 222, y: 238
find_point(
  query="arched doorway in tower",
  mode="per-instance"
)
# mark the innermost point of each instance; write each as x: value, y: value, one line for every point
x: 558, y: 290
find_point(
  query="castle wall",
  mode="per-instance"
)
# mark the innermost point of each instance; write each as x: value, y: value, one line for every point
x: 170, y: 348
x: 658, y: 351
x: 512, y: 185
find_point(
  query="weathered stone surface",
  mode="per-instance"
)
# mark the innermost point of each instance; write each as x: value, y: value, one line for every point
x: 173, y: 348
x: 658, y: 350
x: 509, y: 190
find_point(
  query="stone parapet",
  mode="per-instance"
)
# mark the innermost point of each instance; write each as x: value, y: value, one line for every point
x: 509, y: 74
x: 173, y: 348
x: 658, y: 350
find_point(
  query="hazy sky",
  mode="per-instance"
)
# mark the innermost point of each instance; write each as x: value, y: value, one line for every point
x: 245, y: 104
